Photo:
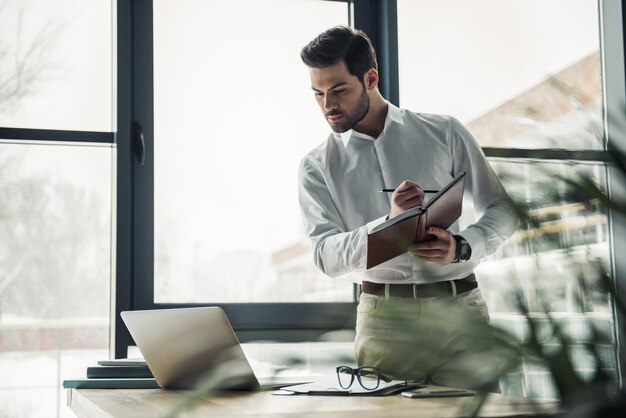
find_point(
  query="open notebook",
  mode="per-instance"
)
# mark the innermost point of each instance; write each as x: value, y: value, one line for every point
x: 331, y: 387
x: 393, y: 237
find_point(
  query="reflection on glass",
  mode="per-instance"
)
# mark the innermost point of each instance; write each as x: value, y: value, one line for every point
x: 234, y: 114
x: 557, y: 260
x: 517, y: 73
x: 55, y: 271
x: 56, y: 64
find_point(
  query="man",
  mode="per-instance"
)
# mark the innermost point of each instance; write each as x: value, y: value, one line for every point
x: 376, y: 145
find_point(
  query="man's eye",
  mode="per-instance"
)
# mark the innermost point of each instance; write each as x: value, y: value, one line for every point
x: 340, y: 91
x: 319, y: 94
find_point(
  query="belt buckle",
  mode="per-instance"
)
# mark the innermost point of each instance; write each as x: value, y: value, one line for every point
x: 414, y: 291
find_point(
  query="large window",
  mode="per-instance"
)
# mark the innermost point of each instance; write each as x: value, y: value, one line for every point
x: 55, y: 270
x: 57, y: 162
x: 526, y: 75
x: 222, y: 115
x: 233, y: 116
x: 183, y: 185
x: 519, y: 74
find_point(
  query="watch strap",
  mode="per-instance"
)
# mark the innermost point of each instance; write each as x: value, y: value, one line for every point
x: 460, y: 242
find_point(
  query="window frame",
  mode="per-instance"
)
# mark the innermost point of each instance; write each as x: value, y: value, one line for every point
x: 305, y: 321
x: 135, y: 192
x: 613, y: 40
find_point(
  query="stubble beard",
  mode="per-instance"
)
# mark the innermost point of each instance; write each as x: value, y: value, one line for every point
x: 349, y: 121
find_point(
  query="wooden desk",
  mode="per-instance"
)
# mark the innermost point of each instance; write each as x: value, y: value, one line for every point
x: 135, y: 403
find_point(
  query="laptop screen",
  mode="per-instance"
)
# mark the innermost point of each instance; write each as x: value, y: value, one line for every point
x: 191, y: 347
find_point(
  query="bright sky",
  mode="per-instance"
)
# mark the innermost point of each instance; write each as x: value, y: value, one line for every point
x: 70, y: 47
x: 234, y: 97
x: 464, y: 58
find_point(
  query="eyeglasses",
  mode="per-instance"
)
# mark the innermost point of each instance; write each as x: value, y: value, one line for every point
x: 369, y: 378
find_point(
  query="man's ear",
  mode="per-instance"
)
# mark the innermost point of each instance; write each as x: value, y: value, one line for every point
x: 371, y: 79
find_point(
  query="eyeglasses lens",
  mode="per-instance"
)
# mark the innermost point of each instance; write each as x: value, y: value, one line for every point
x: 346, y: 376
x: 368, y: 377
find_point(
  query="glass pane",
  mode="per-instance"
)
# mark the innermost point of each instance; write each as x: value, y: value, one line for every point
x: 232, y: 121
x: 557, y: 261
x: 55, y: 271
x: 56, y: 64
x: 517, y: 73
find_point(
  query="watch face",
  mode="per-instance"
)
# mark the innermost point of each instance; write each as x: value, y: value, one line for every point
x: 465, y: 251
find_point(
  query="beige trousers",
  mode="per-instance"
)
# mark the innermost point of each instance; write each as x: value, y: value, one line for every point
x: 443, y: 341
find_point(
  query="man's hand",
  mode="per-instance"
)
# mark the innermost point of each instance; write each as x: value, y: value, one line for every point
x: 442, y: 251
x: 406, y: 196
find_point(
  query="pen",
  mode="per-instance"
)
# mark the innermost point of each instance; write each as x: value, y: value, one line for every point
x: 436, y: 394
x: 392, y: 190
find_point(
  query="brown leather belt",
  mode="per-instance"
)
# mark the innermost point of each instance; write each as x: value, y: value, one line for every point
x: 422, y: 290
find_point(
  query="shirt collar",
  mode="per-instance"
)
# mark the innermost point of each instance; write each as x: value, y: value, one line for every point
x: 394, y: 114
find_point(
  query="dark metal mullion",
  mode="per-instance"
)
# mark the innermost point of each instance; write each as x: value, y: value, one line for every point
x: 617, y: 186
x: 329, y: 315
x: 378, y: 18
x: 613, y: 54
x: 122, y: 295
x: 143, y: 175
x: 549, y: 154
x: 54, y: 135
x: 388, y: 46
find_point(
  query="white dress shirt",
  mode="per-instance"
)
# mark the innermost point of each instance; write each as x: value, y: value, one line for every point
x: 338, y: 192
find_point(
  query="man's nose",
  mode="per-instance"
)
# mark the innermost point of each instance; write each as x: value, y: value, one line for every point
x: 329, y: 103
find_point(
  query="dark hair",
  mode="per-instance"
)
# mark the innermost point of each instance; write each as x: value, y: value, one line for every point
x: 341, y: 43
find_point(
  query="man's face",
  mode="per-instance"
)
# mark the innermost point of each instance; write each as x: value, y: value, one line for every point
x: 341, y: 96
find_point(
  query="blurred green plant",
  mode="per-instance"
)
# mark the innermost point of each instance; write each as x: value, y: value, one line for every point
x: 597, y: 393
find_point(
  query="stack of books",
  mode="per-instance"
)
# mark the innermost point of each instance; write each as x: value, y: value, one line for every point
x: 115, y: 374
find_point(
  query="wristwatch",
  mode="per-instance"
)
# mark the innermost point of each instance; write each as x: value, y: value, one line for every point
x: 463, y: 250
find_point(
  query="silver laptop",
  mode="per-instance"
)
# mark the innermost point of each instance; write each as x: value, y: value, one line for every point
x: 191, y: 348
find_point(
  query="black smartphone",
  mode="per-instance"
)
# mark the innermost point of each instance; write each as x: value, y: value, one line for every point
x: 425, y: 393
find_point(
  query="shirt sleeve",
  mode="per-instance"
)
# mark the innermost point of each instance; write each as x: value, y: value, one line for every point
x: 336, y: 251
x: 497, y: 220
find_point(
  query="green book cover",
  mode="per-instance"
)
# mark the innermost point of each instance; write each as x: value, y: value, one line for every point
x: 118, y: 372
x: 130, y: 383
